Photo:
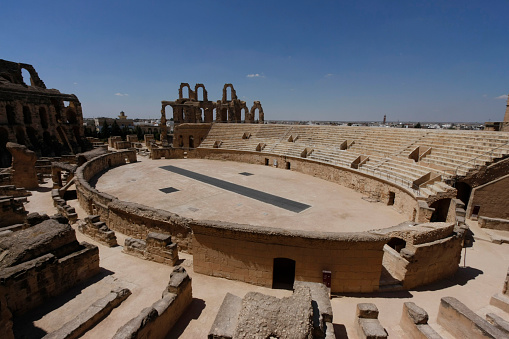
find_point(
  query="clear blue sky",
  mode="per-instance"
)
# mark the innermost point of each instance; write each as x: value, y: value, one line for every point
x: 304, y: 60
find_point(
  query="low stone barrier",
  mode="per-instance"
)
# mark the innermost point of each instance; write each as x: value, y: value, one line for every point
x: 157, y: 247
x: 62, y: 207
x: 91, y: 316
x: 366, y: 322
x: 494, y: 223
x: 157, y: 321
x: 414, y: 323
x: 93, y: 227
x: 462, y: 322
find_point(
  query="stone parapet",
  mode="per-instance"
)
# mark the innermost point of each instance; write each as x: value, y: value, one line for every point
x: 93, y: 227
x: 157, y: 247
x: 158, y: 320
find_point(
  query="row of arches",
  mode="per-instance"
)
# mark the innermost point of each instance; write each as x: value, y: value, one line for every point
x: 19, y: 114
x: 194, y: 95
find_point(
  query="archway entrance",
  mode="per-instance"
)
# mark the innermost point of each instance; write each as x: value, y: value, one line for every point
x: 441, y: 210
x: 283, y: 274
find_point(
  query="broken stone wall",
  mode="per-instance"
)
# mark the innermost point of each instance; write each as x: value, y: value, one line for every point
x: 45, y: 120
x: 43, y: 261
x: 492, y: 198
x: 158, y: 320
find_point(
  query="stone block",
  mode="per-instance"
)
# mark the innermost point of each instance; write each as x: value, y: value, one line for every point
x: 227, y: 318
x: 462, y: 322
x: 367, y: 311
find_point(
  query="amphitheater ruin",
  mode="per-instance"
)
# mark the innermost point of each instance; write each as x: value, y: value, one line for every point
x: 240, y: 229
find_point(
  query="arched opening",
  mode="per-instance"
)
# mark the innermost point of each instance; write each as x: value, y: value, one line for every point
x: 441, y: 210
x: 283, y: 275
x: 11, y: 115
x: 181, y: 141
x: 230, y: 93
x: 33, y: 137
x: 20, y: 136
x: 392, y: 197
x: 397, y: 244
x: 5, y: 155
x: 464, y: 191
x: 27, y: 79
x: 27, y: 115
x: 191, y: 141
x: 71, y: 117
x: 188, y: 92
x: 288, y: 165
x: 203, y: 96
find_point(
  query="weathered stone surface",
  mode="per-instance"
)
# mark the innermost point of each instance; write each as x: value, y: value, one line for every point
x: 23, y: 166
x: 91, y: 316
x: 497, y: 321
x: 50, y: 236
x: 462, y: 322
x: 367, y: 311
x: 417, y: 314
x: 227, y: 318
x: 264, y: 316
x: 97, y: 230
x: 370, y: 329
x: 157, y: 321
x: 322, y: 308
x: 36, y: 218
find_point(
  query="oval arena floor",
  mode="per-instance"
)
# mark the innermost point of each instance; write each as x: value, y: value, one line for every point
x: 245, y: 193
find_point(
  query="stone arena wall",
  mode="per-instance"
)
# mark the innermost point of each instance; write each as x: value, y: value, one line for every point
x: 246, y: 253
x: 132, y: 219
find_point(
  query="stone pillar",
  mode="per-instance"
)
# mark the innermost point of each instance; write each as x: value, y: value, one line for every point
x: 164, y: 131
x: 23, y: 166
x: 506, y: 117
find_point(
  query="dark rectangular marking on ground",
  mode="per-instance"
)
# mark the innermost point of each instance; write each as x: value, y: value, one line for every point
x: 168, y: 190
x: 246, y: 173
x: 267, y: 198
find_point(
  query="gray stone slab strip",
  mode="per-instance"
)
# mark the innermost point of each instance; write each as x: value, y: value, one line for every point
x: 267, y: 198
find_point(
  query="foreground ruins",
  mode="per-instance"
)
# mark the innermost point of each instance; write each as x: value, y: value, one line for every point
x: 80, y: 261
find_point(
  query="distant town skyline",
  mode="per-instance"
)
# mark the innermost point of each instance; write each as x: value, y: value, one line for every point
x: 321, y: 61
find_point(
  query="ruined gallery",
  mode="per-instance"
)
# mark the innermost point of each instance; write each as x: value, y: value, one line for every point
x: 235, y: 228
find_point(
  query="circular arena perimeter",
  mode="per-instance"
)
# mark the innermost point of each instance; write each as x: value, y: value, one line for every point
x: 225, y: 214
x: 292, y: 200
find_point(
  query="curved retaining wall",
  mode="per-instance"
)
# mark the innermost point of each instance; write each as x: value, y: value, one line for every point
x: 132, y: 219
x: 247, y: 253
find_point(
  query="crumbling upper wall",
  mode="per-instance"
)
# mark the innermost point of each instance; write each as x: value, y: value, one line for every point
x: 45, y: 120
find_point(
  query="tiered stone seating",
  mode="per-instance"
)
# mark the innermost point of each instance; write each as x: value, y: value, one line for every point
x: 388, y: 149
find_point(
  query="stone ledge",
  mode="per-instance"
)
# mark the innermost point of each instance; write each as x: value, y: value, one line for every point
x: 91, y: 316
x: 462, y: 322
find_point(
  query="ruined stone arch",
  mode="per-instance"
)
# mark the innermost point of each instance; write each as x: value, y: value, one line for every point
x: 257, y: 106
x: 246, y: 114
x: 189, y: 91
x: 204, y: 92
x: 71, y: 116
x: 20, y: 135
x: 233, y: 93
x: 11, y: 114
x: 5, y: 155
x: 43, y: 117
x: 27, y: 115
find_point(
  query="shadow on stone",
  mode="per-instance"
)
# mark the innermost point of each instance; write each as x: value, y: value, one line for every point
x: 462, y: 276
x: 340, y: 331
x: 24, y: 326
x: 193, y: 312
